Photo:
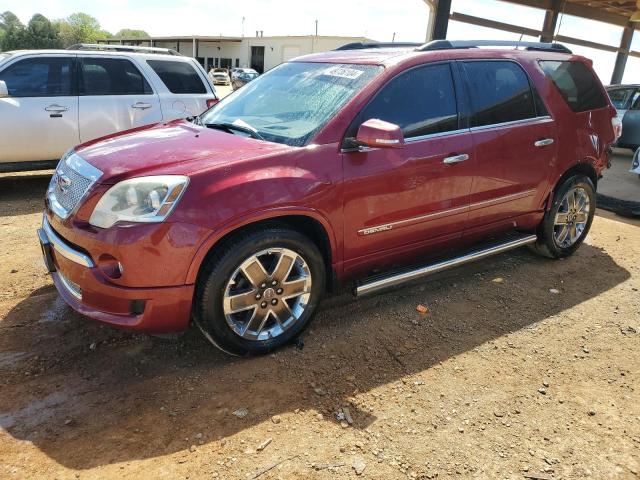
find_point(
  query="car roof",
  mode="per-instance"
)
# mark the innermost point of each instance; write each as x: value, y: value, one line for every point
x: 392, y: 56
x: 144, y: 55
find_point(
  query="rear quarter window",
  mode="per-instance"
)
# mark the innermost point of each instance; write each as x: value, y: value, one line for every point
x: 577, y: 83
x: 179, y: 77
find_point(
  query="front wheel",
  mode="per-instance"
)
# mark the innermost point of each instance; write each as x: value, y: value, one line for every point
x: 259, y: 291
x: 569, y: 219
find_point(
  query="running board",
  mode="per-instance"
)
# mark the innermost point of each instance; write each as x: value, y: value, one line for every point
x: 369, y: 286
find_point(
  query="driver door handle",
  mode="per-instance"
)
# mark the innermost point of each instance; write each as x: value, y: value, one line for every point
x: 456, y: 158
x: 141, y: 105
x: 56, y: 108
x: 543, y: 143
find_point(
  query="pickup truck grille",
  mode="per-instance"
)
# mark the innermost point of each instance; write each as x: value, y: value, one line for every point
x: 71, y: 181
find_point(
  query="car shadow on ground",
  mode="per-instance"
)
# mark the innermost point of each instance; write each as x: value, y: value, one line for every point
x: 24, y: 194
x: 67, y: 381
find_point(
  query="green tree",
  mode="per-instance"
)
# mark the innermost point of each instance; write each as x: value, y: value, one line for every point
x: 13, y: 30
x: 129, y: 33
x: 41, y: 33
x: 80, y: 28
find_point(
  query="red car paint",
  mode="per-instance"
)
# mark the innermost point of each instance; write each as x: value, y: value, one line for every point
x: 237, y: 181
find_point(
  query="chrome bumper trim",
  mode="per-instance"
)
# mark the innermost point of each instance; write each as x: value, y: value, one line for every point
x: 71, y: 287
x: 61, y: 247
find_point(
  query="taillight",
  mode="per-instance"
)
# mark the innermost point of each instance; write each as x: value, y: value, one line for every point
x: 211, y: 102
x: 616, y: 122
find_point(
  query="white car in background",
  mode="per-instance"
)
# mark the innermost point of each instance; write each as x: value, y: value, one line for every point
x: 52, y: 100
x: 219, y: 76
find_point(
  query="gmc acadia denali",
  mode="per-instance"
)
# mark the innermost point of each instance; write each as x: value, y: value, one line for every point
x: 367, y: 166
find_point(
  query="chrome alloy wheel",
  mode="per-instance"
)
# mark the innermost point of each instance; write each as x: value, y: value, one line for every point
x: 267, y: 294
x: 572, y: 217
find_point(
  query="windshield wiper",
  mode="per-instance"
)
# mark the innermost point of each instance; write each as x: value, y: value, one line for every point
x: 230, y: 127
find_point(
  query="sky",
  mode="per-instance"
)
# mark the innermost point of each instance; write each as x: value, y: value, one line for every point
x: 375, y: 19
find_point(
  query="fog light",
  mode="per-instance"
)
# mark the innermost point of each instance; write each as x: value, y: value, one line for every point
x: 137, y: 307
x: 110, y: 266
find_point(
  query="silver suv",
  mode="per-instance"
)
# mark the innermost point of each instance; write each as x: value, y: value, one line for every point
x: 51, y: 100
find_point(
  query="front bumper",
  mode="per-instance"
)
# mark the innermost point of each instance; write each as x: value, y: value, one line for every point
x: 83, y: 287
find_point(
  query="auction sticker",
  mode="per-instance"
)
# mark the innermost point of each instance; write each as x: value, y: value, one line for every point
x: 343, y: 72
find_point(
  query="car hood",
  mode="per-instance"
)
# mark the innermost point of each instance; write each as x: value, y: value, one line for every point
x: 175, y: 148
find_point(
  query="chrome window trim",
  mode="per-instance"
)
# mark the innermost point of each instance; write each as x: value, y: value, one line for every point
x: 460, y: 131
x: 436, y: 135
x: 524, y: 121
x: 61, y: 247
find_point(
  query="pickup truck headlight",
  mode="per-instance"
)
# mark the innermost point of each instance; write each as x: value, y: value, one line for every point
x: 142, y: 199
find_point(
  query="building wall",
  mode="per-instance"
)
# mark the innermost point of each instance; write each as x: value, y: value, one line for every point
x: 237, y: 52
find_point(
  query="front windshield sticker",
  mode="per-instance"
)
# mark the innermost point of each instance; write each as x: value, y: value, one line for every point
x: 343, y: 72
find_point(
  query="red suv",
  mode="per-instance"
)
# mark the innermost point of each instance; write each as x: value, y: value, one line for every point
x: 372, y: 166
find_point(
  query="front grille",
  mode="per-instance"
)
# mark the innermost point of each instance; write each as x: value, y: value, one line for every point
x: 71, y: 181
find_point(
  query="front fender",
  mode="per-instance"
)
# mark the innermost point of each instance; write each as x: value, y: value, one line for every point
x: 253, y: 218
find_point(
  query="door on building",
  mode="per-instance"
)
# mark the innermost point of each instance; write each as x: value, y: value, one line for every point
x: 226, y: 63
x: 257, y: 59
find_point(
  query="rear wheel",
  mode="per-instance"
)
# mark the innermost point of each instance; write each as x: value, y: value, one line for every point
x: 260, y: 291
x: 569, y: 219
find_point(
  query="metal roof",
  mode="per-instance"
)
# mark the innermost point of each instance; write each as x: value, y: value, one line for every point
x: 616, y: 12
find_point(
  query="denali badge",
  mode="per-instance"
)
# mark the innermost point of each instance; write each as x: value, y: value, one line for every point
x: 369, y: 231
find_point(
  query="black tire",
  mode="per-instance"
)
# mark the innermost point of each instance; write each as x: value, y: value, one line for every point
x: 546, y: 244
x: 220, y: 267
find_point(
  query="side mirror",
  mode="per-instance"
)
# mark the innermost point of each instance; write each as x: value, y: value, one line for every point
x: 380, y: 134
x: 4, y: 91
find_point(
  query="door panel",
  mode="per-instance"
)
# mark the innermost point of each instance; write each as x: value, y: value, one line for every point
x: 398, y: 199
x: 114, y: 96
x: 395, y: 197
x: 514, y: 143
x: 42, y: 103
x: 511, y: 172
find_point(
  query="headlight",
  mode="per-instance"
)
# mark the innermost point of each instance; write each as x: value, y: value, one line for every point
x: 143, y: 199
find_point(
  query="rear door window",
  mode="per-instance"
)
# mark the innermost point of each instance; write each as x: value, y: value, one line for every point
x: 577, y: 84
x: 112, y: 76
x: 421, y: 101
x: 39, y: 77
x: 499, y: 92
x: 179, y: 77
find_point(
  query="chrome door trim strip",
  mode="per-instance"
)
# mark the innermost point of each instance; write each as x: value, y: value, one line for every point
x: 513, y: 123
x: 375, y: 285
x: 430, y: 216
x: 503, y: 199
x: 61, y: 247
x: 436, y: 135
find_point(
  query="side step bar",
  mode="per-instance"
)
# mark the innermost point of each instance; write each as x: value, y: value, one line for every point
x: 373, y: 285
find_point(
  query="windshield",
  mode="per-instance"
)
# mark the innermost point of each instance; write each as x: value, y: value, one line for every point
x: 290, y: 103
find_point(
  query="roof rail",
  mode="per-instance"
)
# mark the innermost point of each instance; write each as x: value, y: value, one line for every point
x: 122, y: 48
x: 365, y: 45
x: 453, y: 44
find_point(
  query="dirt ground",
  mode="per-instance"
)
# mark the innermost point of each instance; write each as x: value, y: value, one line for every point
x: 536, y: 375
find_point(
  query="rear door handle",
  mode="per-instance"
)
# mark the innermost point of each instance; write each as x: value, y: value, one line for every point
x: 141, y: 105
x: 456, y: 158
x: 56, y: 108
x: 544, y: 143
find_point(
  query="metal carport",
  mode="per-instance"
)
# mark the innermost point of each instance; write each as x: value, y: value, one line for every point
x: 615, y: 12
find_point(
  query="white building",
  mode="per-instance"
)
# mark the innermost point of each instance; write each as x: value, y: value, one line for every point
x: 260, y: 53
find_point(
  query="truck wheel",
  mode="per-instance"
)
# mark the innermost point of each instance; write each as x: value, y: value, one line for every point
x: 259, y: 291
x: 569, y: 219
